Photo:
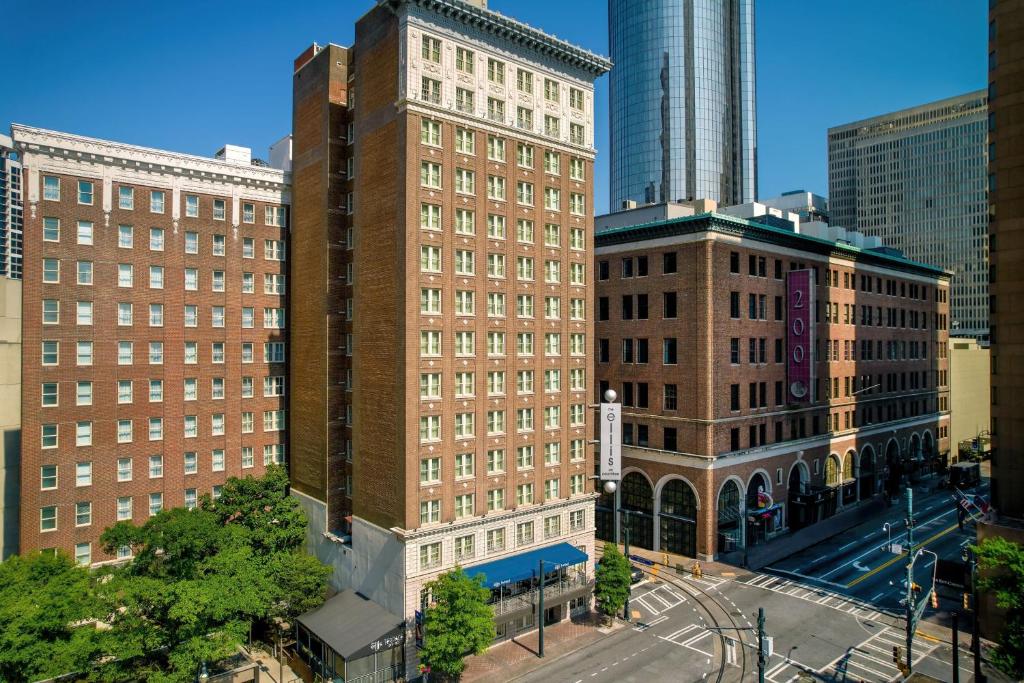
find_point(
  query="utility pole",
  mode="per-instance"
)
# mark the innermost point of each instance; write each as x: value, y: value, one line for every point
x: 972, y: 562
x: 540, y: 613
x: 956, y: 647
x: 760, y: 645
x: 628, y: 563
x: 911, y: 606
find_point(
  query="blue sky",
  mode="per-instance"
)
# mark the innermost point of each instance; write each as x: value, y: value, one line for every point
x: 191, y: 76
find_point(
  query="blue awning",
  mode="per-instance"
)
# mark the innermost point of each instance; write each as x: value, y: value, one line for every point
x: 525, y: 565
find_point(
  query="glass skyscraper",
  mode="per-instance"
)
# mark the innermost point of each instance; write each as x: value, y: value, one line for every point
x: 683, y: 123
x: 918, y: 179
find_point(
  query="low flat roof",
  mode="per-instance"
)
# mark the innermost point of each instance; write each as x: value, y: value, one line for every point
x: 526, y: 565
x: 350, y: 622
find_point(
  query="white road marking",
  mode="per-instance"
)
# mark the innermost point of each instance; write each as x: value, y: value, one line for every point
x: 848, y: 545
x: 877, y: 596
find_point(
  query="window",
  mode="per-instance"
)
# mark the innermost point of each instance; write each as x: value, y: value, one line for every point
x: 50, y: 352
x: 496, y: 537
x: 156, y: 315
x: 430, y: 512
x: 51, y: 229
x: 48, y: 518
x: 524, y: 118
x: 430, y: 90
x: 495, y: 148
x: 524, y: 532
x: 464, y: 100
x: 51, y: 312
x: 430, y: 428
x: 464, y: 60
x: 124, y: 431
x: 217, y: 460
x: 496, y: 71
x: 124, y: 508
x: 465, y: 141
x: 125, y: 238
x: 83, y: 474
x: 85, y: 192
x: 524, y: 193
x: 576, y: 204
x: 576, y: 133
x: 524, y: 231
x: 552, y: 126
x: 49, y: 394
x: 156, y: 504
x: 51, y: 270
x: 156, y: 201
x: 51, y: 188
x: 430, y: 175
x: 124, y: 469
x: 464, y: 505
x: 495, y: 188
x: 430, y: 553
x: 156, y: 466
x: 552, y: 524
x: 430, y: 132
x: 464, y: 547
x: 524, y: 494
x: 85, y: 272
x: 124, y: 391
x: 431, y: 49
x: 552, y: 163
x: 85, y: 233
x: 552, y: 199
x: 217, y: 281
x: 273, y: 420
x: 576, y: 485
x: 156, y: 239
x: 156, y: 429
x: 496, y: 460
x: 83, y: 353
x: 218, y: 245
x: 576, y: 169
x: 465, y: 181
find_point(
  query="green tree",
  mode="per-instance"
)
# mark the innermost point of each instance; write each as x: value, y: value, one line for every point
x: 200, y: 579
x: 47, y: 618
x: 611, y: 580
x: 1002, y: 565
x: 458, y: 622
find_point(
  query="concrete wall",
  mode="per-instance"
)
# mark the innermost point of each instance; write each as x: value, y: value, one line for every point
x: 10, y: 415
x: 969, y: 391
x: 331, y: 552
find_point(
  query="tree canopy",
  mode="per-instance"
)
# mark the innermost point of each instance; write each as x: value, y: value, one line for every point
x: 198, y: 580
x: 611, y: 580
x: 1002, y: 575
x: 459, y: 622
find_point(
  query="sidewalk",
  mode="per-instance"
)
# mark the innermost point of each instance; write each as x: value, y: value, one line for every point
x: 518, y: 657
x: 270, y: 669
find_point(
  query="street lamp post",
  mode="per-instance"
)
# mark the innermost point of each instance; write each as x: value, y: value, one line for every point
x: 540, y: 612
x: 972, y: 561
x: 761, y: 659
x: 628, y: 563
x: 910, y: 579
x: 888, y: 527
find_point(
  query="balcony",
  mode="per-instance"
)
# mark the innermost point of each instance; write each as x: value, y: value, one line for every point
x: 556, y: 592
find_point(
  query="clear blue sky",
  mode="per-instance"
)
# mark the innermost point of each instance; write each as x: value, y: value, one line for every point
x: 191, y: 76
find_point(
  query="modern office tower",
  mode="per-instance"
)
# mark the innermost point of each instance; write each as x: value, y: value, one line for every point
x: 682, y: 101
x: 153, y: 332
x: 10, y: 210
x: 769, y: 379
x: 918, y: 178
x: 443, y: 216
x: 1006, y: 240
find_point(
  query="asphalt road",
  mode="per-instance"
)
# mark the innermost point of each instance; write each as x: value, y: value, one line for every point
x: 860, y: 564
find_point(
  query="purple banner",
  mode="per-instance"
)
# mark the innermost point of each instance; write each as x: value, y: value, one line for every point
x: 800, y: 335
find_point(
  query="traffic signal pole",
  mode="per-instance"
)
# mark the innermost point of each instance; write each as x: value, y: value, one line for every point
x: 911, y: 606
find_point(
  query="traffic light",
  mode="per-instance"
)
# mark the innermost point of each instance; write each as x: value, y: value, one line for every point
x: 935, y: 600
x: 967, y: 601
x: 916, y: 587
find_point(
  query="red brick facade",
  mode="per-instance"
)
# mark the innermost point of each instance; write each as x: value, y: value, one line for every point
x: 142, y: 266
x: 717, y: 407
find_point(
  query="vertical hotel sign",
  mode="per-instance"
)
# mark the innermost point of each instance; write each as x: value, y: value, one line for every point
x: 800, y: 335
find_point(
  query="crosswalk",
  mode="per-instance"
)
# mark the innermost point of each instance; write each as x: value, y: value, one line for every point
x: 659, y: 600
x: 871, y: 660
x: 693, y: 637
x: 820, y: 596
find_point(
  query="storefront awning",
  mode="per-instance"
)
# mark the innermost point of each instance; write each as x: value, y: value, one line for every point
x: 525, y: 565
x: 354, y: 626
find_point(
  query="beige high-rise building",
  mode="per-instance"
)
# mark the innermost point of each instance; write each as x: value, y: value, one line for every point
x: 443, y: 217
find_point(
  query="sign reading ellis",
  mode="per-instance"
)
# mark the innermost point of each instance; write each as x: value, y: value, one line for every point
x: 800, y: 335
x: 611, y: 441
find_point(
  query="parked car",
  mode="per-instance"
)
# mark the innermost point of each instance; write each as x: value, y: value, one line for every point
x: 636, y: 575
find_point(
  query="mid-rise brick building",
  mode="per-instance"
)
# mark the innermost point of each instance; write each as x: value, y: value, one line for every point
x: 153, y: 331
x: 443, y: 170
x: 769, y: 379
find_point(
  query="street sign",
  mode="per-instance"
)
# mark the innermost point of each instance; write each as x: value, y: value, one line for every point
x: 611, y: 441
x: 897, y: 549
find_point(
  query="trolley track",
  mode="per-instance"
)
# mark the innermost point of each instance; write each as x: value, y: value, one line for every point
x: 720, y: 628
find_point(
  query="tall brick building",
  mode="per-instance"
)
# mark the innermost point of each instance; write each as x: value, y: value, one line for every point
x: 726, y: 444
x: 153, y: 331
x: 443, y: 216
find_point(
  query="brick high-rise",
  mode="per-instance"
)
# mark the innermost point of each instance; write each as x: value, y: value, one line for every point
x: 443, y: 170
x: 153, y: 331
x: 724, y: 445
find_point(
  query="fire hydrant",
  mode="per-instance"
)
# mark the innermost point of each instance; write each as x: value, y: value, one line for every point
x: 696, y: 570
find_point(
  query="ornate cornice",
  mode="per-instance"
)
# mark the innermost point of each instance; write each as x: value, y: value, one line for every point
x: 79, y: 148
x: 511, y: 30
x: 748, y: 229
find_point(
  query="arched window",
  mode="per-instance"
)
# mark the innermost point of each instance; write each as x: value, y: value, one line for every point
x: 831, y: 471
x: 848, y: 466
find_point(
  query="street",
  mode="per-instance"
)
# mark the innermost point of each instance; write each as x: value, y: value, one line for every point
x: 833, y: 613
